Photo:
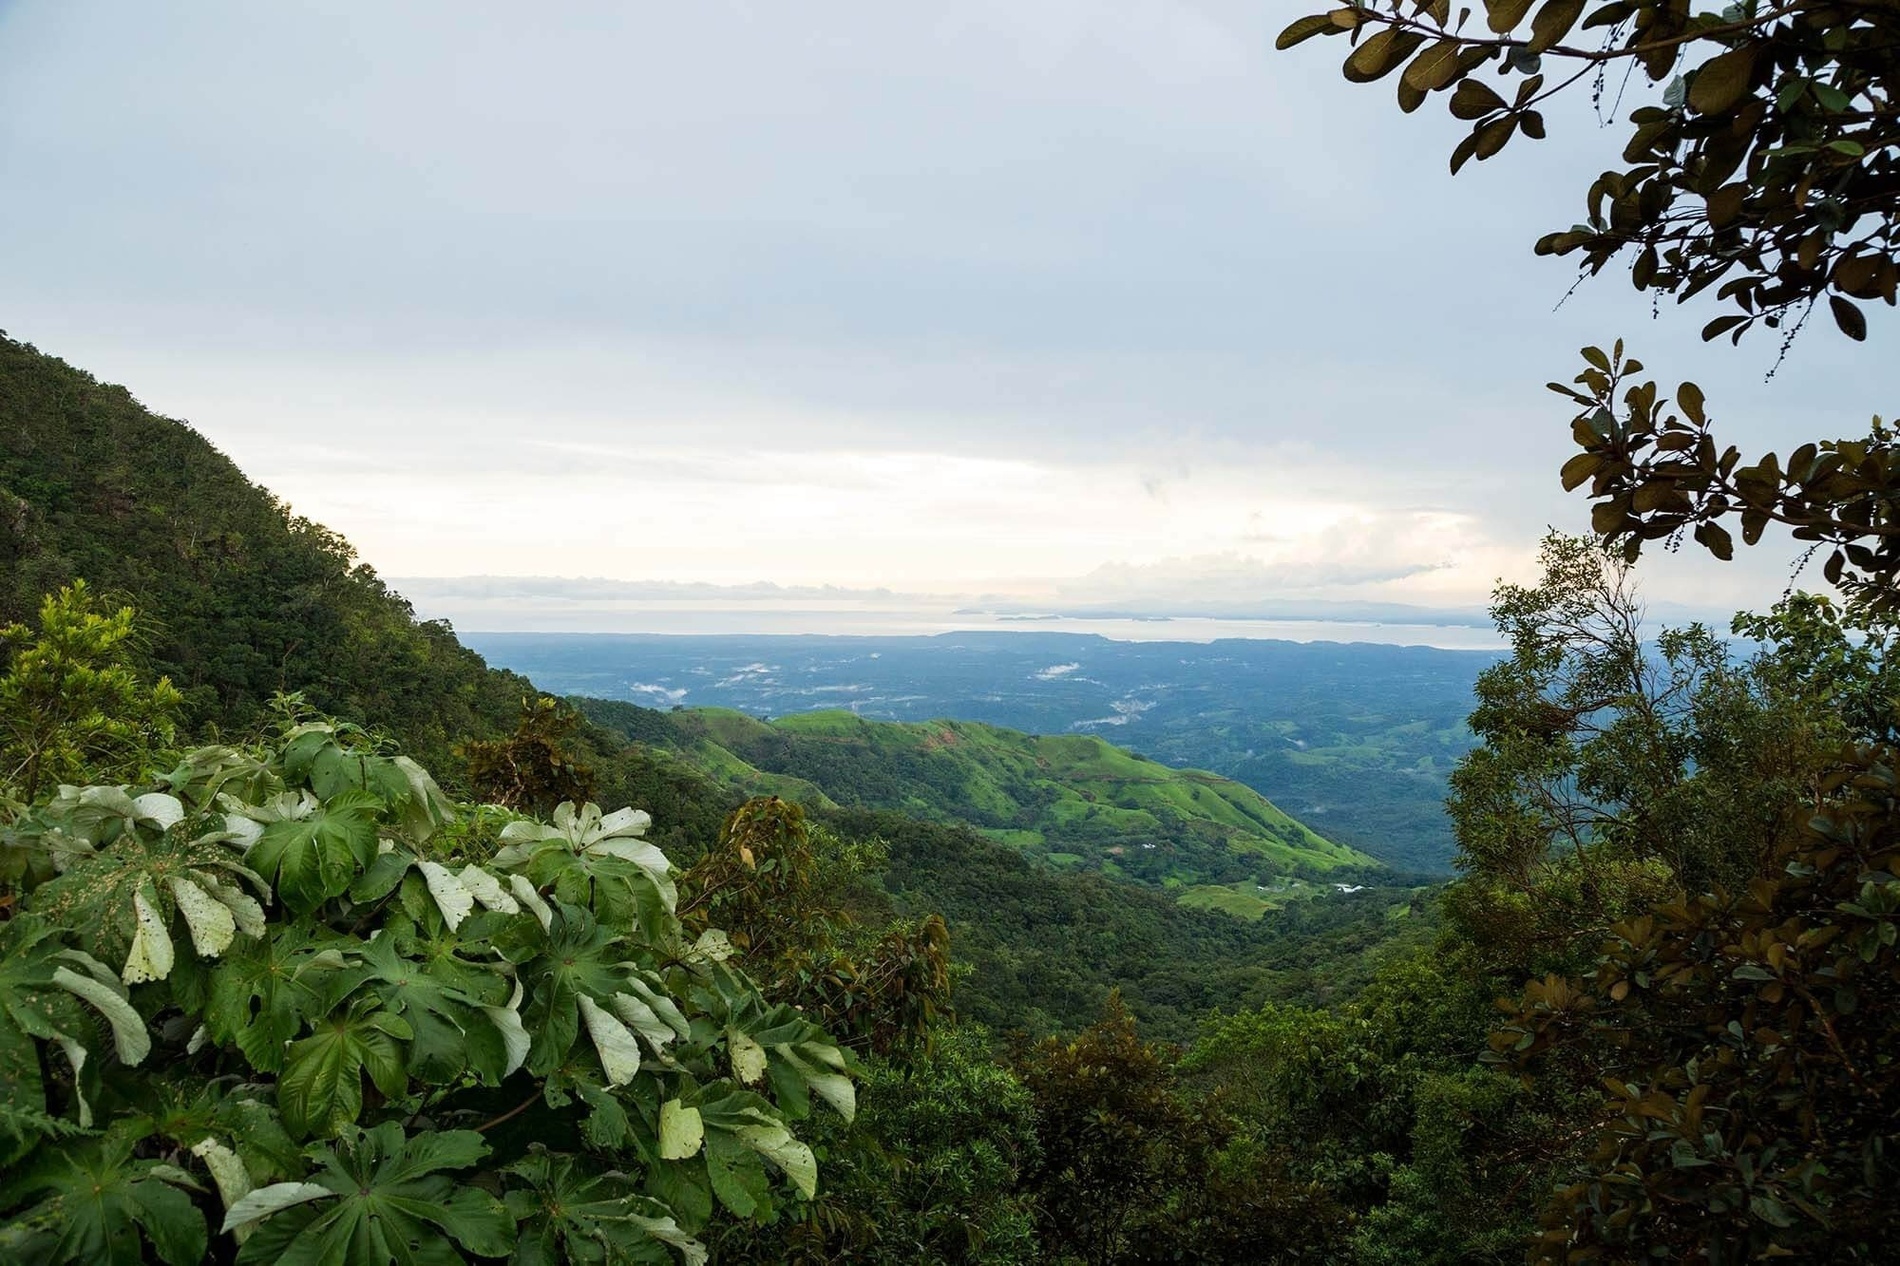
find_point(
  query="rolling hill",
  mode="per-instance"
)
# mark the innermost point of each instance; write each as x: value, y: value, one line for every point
x: 1072, y: 801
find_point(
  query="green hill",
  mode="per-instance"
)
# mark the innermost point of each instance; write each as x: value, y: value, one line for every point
x: 240, y: 596
x: 1073, y: 801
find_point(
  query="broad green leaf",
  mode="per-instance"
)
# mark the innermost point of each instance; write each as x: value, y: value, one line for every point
x: 313, y: 858
x: 570, y: 1213
x: 101, y: 1206
x: 321, y: 1090
x: 392, y: 1205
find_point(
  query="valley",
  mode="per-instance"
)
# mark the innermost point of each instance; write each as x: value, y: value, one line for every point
x: 1354, y: 740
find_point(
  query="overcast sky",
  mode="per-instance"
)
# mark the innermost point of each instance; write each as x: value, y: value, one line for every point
x: 976, y: 296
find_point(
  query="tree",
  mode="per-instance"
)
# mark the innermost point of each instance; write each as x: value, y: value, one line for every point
x: 534, y: 768
x: 1770, y: 164
x: 1769, y: 159
x: 1747, y: 1043
x: 72, y: 703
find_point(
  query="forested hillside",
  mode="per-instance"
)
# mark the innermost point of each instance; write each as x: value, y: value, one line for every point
x: 1067, y: 800
x: 238, y: 596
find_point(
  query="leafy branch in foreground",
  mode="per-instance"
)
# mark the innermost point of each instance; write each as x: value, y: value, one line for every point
x: 1769, y: 163
x: 296, y: 997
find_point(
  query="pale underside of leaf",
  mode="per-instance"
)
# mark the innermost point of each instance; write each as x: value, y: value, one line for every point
x: 776, y: 1144
x: 662, y: 1006
x: 161, y: 809
x: 268, y: 1200
x: 451, y: 897
x: 667, y: 1231
x: 625, y: 822
x: 151, y: 954
x: 527, y: 896
x: 130, y: 1037
x: 245, y: 910
x: 76, y: 1056
x: 227, y: 1170
x: 641, y: 1019
x: 514, y: 1037
x: 822, y: 1067
x: 212, y: 923
x: 681, y: 1130
x: 486, y: 889
x: 619, y: 1049
x: 748, y: 1057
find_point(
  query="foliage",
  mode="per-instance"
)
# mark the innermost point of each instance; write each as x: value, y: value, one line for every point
x: 1747, y: 1044
x: 532, y: 769
x: 1044, y: 949
x: 1615, y: 772
x: 929, y: 1172
x: 1111, y: 1133
x: 71, y: 701
x: 241, y: 598
x: 1767, y: 164
x: 777, y: 886
x: 346, y: 1026
x: 1134, y: 1169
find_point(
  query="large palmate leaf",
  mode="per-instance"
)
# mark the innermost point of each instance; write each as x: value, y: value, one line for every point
x: 263, y: 991
x: 314, y: 755
x: 100, y: 1206
x: 445, y: 1000
x: 581, y: 959
x: 145, y: 876
x: 571, y: 1212
x: 42, y: 984
x: 388, y: 1200
x: 321, y: 1090
x: 599, y: 862
x: 315, y: 857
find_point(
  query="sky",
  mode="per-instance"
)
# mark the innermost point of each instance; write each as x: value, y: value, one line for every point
x: 1058, y: 304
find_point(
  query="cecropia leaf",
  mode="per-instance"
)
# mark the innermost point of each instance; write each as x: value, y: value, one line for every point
x: 487, y: 889
x: 454, y: 900
x: 130, y: 1038
x: 211, y: 923
x: 151, y: 954
x: 619, y: 1049
x: 268, y: 1200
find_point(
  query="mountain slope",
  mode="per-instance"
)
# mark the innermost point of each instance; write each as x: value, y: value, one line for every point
x: 241, y: 598
x: 1070, y: 800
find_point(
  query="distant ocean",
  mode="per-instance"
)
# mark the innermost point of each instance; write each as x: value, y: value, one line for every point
x: 865, y: 620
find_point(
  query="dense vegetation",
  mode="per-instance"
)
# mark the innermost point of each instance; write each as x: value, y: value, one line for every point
x: 238, y: 597
x: 288, y: 987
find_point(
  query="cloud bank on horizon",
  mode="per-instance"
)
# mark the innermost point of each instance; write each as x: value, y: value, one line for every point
x: 1098, y: 304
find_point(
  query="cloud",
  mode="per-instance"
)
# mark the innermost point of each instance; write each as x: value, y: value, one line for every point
x: 923, y: 298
